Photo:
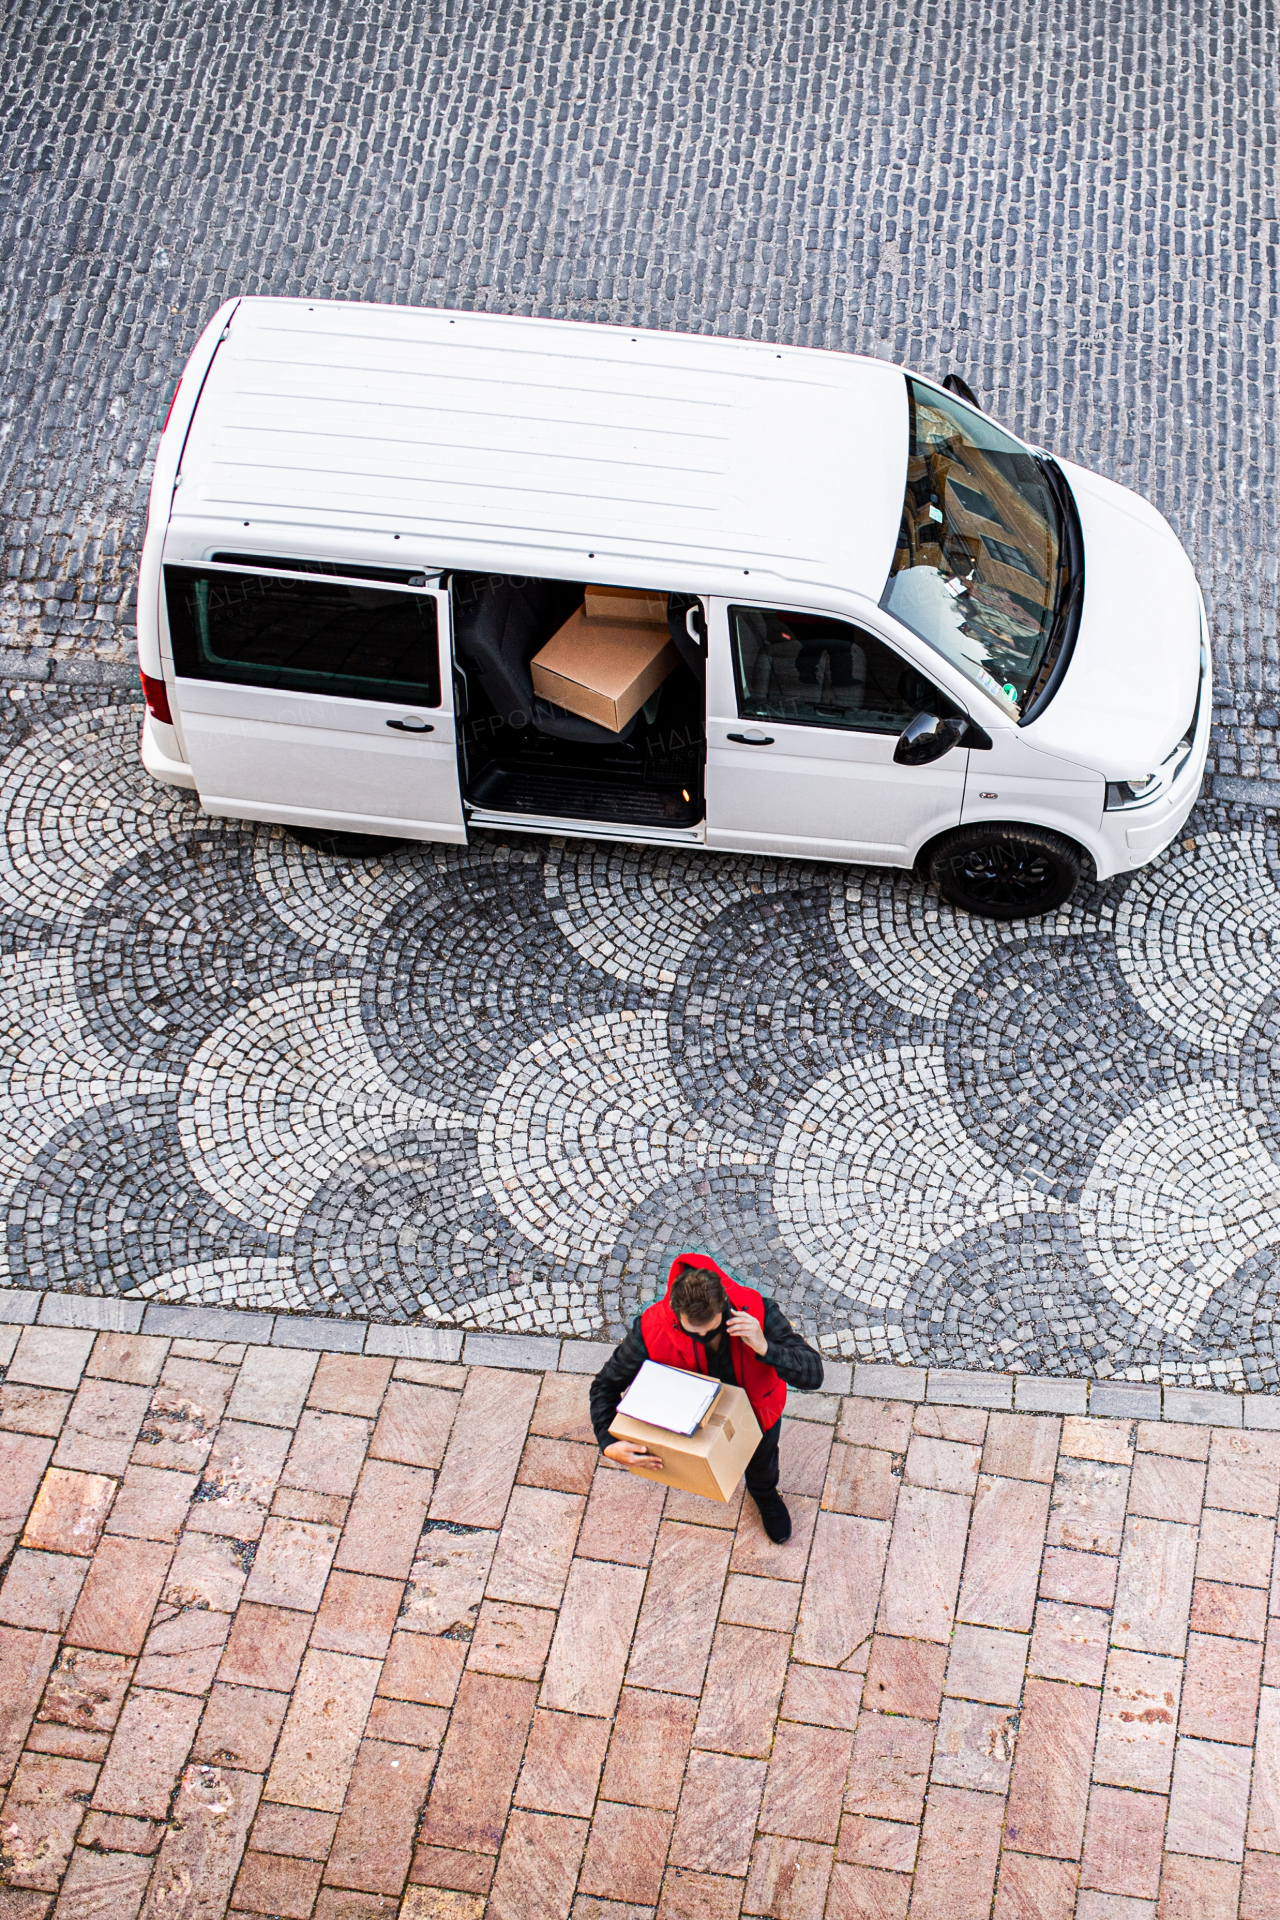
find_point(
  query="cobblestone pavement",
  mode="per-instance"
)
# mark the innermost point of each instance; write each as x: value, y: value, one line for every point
x: 497, y: 1087
x: 1073, y: 203
x: 346, y: 1636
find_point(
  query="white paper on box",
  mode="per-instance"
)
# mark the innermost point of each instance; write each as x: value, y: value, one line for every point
x: 666, y: 1397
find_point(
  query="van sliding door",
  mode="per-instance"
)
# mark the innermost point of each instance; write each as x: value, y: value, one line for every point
x: 316, y: 700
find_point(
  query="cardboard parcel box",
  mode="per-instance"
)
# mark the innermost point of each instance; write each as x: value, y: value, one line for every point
x: 608, y: 657
x: 712, y: 1459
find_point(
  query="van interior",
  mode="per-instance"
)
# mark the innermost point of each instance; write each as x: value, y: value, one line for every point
x: 522, y: 753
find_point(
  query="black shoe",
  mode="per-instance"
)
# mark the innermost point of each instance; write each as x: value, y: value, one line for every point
x: 774, y: 1516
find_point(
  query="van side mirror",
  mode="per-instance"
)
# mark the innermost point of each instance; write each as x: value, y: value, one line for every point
x: 928, y: 737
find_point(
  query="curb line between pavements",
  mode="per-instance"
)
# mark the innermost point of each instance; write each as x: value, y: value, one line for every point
x: 549, y: 1353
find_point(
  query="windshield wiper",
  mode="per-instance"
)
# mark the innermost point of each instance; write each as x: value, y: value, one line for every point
x: 1066, y: 611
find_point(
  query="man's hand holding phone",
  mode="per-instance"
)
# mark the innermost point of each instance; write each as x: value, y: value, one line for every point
x: 745, y: 1327
x: 631, y: 1453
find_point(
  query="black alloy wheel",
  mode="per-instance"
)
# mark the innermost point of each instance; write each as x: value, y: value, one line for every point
x: 1006, y: 873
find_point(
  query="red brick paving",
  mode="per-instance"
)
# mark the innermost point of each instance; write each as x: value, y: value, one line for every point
x: 342, y: 1638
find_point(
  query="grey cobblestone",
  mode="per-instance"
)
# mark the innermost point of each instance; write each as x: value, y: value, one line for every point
x: 1072, y: 205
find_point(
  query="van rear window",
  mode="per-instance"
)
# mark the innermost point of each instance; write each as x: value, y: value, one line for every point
x: 353, y: 641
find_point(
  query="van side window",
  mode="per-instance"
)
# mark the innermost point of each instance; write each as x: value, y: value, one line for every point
x: 338, y: 637
x: 812, y: 671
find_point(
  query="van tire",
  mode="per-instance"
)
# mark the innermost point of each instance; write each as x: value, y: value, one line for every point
x: 1005, y: 872
x: 346, y: 846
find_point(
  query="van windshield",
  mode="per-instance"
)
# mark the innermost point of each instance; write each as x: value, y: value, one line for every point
x: 979, y: 571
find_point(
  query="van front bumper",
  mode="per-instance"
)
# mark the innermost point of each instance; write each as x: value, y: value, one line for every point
x: 1143, y: 843
x: 1138, y: 834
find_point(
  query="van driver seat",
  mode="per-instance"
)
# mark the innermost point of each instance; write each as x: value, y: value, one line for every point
x: 500, y: 626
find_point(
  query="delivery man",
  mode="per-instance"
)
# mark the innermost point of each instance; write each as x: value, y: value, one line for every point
x: 708, y: 1322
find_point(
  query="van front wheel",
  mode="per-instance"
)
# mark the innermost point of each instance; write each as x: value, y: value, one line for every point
x: 1005, y: 873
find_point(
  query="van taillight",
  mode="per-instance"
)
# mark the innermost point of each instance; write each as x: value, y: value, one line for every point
x: 173, y: 399
x: 156, y: 695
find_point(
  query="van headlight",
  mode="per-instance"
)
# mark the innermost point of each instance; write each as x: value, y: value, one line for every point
x: 1132, y: 793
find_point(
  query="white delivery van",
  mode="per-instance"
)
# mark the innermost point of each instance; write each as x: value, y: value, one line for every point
x: 897, y: 634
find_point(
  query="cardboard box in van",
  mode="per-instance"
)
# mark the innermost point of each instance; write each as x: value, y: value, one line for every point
x: 602, y: 664
x: 712, y: 1459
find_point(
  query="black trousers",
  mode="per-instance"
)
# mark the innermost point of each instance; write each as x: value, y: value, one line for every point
x: 762, y: 1468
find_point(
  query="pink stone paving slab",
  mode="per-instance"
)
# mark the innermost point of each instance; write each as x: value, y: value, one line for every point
x: 1138, y: 1721
x: 959, y: 1854
x: 25, y: 1660
x: 1002, y: 1563
x: 339, y: 1639
x: 1264, y: 1810
x: 535, y: 1546
x: 484, y: 1447
x: 447, y: 1579
x: 593, y: 1638
x: 322, y: 1730
x: 803, y: 1791
x: 1153, y: 1594
x: 743, y: 1685
x: 922, y: 1574
x: 841, y: 1589
x: 1208, y: 1804
x: 196, y: 1867
x: 622, y: 1517
x: 682, y: 1599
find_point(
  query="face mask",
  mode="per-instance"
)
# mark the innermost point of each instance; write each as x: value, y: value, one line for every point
x: 705, y: 1339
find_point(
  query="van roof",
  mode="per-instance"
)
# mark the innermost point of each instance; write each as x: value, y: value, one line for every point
x: 327, y: 428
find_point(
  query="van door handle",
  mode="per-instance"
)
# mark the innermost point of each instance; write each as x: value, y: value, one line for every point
x: 411, y: 725
x: 752, y: 739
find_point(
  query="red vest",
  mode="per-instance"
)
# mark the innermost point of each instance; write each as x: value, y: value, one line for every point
x: 666, y: 1341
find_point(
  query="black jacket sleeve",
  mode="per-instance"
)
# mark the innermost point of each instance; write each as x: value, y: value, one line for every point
x: 613, y: 1379
x: 794, y: 1360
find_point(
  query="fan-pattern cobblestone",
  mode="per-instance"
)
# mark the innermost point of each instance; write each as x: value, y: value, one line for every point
x: 498, y: 1086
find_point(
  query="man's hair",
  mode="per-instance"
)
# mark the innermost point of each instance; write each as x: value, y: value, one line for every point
x: 698, y: 1294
